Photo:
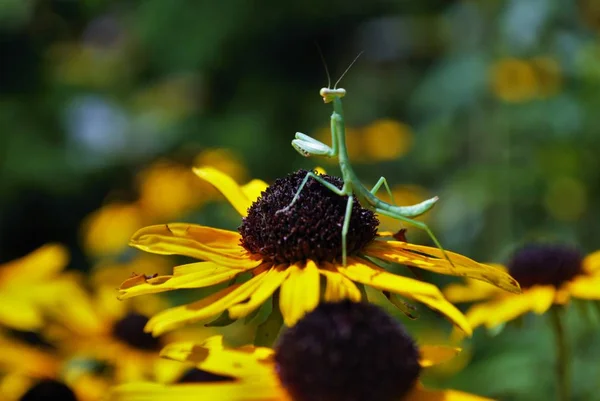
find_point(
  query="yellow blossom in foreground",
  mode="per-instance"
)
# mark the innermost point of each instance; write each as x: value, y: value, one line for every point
x: 290, y: 265
x: 363, y: 354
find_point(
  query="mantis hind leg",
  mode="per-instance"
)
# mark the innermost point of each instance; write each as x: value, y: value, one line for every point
x: 383, y: 181
x: 320, y: 180
x: 418, y: 224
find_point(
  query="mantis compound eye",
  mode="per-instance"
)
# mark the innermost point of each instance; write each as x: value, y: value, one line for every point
x: 329, y: 94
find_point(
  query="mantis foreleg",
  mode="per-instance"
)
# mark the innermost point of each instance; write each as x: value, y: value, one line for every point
x: 309, y: 146
x: 383, y: 181
x: 418, y: 224
x: 321, y: 180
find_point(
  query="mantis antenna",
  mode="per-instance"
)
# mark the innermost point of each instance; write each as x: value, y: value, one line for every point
x: 324, y: 64
x: 347, y: 69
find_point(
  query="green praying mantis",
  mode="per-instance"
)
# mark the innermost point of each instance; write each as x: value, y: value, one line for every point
x: 352, y: 187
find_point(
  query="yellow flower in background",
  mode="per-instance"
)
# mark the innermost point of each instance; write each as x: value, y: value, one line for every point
x: 514, y: 80
x: 30, y: 285
x: 548, y: 75
x: 354, y: 143
x: 167, y: 190
x: 290, y: 252
x: 107, y: 230
x: 385, y: 140
x: 29, y: 371
x: 548, y: 275
x: 337, y: 352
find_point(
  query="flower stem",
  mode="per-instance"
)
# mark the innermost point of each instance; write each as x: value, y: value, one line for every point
x: 562, y: 354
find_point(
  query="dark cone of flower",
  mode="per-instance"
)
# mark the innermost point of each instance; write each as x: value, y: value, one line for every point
x: 347, y: 352
x: 544, y: 264
x: 130, y: 330
x: 49, y: 390
x: 311, y: 228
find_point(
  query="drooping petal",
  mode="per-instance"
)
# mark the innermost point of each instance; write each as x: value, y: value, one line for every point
x: 227, y: 186
x: 491, y: 314
x: 257, y: 390
x: 585, y: 287
x: 472, y: 290
x: 210, y: 306
x: 419, y: 393
x: 300, y: 292
x: 273, y: 280
x: 416, y: 255
x: 367, y: 273
x: 431, y: 355
x: 37, y: 265
x: 204, y: 243
x: 253, y: 189
x: 338, y: 287
x: 202, y: 274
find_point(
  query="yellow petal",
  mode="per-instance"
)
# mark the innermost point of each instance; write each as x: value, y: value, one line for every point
x: 204, y: 243
x: 272, y: 281
x: 411, y: 254
x: 227, y: 186
x: 431, y: 355
x: 585, y: 287
x: 253, y: 189
x: 37, y: 265
x: 247, y: 362
x: 421, y: 394
x: 257, y: 390
x: 300, y: 292
x: 210, y: 306
x: 536, y: 299
x: 19, y: 313
x: 338, y: 286
x: 591, y: 263
x: 473, y: 290
x: 205, y: 274
x: 367, y: 273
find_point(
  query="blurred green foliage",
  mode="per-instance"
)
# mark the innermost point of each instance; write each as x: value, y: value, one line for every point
x: 501, y: 97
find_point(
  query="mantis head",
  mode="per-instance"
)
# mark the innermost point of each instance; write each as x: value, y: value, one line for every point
x: 329, y: 94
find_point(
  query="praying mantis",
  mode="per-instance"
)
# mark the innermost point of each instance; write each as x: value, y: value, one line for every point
x: 353, y: 187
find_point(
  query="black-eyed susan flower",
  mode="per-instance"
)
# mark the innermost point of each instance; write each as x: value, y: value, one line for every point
x: 34, y: 370
x: 30, y: 285
x: 386, y: 140
x: 100, y: 330
x: 339, y: 351
x: 548, y: 275
x: 290, y: 252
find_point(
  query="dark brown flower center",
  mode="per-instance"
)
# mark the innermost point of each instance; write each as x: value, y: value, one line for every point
x: 347, y: 352
x: 49, y: 390
x: 543, y: 264
x: 130, y: 330
x: 311, y: 228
